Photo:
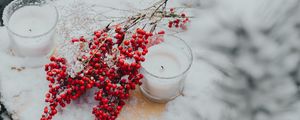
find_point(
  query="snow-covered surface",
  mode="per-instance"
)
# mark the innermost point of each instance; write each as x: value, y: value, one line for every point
x: 215, y: 26
x: 23, y: 91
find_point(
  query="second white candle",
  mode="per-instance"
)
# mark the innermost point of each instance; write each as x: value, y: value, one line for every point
x: 163, y: 71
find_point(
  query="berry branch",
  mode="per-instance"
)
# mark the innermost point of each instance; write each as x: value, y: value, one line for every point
x: 110, y: 60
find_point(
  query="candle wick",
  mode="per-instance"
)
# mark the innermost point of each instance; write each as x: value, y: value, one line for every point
x: 30, y: 30
x: 162, y: 67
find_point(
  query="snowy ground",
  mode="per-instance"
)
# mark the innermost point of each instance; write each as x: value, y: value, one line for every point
x: 217, y: 25
x: 23, y: 91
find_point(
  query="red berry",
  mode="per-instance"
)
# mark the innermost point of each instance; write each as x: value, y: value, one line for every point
x: 52, y: 58
x: 46, y: 110
x: 183, y: 15
x: 126, y: 42
x: 161, y: 32
x: 74, y: 40
x: 171, y: 9
x: 98, y: 34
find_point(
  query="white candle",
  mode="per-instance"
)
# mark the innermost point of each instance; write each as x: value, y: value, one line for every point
x: 31, y: 29
x: 164, y: 70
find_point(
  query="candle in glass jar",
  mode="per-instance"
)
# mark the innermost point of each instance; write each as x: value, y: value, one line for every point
x: 31, y: 20
x: 164, y: 72
x: 32, y: 29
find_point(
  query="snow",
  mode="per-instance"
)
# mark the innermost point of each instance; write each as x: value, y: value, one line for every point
x: 23, y: 91
x: 220, y: 27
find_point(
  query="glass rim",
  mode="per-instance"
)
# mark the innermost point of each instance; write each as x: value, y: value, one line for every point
x: 191, y: 58
x: 24, y: 36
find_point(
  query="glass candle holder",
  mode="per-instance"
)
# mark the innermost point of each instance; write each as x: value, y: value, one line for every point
x: 31, y: 27
x: 165, y: 70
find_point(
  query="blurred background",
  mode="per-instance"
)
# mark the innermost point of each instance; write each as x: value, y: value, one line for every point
x: 255, y: 45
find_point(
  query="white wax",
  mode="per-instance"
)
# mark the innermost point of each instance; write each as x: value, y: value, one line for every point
x: 32, y: 26
x: 165, y: 61
x: 32, y: 20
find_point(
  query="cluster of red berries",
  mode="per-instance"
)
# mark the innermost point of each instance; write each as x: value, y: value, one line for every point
x: 112, y: 67
x: 111, y: 61
x: 62, y: 87
x: 180, y: 22
x: 115, y: 83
